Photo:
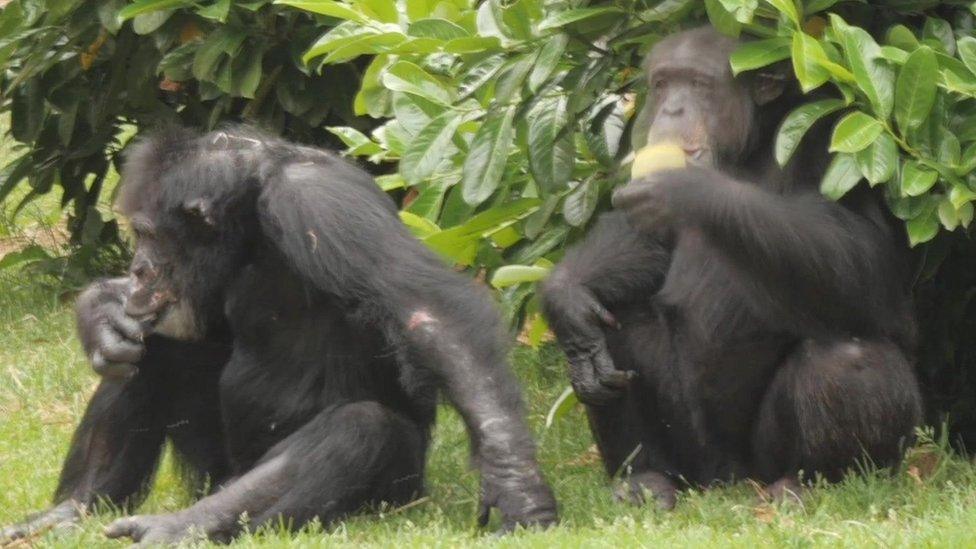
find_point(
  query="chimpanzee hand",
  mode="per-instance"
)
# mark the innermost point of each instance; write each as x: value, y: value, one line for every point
x: 653, y: 202
x: 581, y: 319
x: 111, y: 339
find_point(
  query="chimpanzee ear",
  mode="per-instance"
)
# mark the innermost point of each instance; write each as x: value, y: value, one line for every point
x: 201, y: 208
x: 766, y: 86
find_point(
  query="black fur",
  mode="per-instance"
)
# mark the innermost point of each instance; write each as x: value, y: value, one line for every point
x: 768, y: 330
x: 339, y: 327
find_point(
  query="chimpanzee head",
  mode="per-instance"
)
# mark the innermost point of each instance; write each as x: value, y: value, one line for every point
x: 694, y: 100
x: 190, y: 202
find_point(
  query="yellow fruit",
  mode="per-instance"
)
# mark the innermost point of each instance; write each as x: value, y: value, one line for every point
x: 660, y: 156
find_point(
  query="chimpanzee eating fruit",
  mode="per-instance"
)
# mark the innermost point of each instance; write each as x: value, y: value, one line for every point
x: 297, y: 336
x: 729, y: 321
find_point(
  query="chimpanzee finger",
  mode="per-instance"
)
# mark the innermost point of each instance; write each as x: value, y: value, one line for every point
x: 128, y: 527
x: 584, y: 379
x: 605, y: 316
x: 115, y: 348
x: 119, y: 370
x: 607, y: 372
x: 125, y: 324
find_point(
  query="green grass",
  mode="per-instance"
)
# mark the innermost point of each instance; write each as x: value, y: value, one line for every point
x: 44, y: 384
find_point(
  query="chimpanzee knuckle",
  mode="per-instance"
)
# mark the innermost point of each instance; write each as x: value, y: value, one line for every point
x: 114, y: 370
x: 129, y: 327
x: 123, y: 351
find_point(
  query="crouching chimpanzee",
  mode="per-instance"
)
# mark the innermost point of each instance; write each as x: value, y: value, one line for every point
x: 307, y: 334
x: 731, y: 322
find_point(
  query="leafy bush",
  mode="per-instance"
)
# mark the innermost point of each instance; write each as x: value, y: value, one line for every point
x: 527, y: 105
x: 76, y: 73
x: 500, y: 126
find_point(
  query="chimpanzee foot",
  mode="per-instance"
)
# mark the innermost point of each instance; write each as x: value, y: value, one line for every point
x: 786, y: 489
x: 638, y: 486
x: 62, y: 515
x: 529, y: 505
x: 164, y: 529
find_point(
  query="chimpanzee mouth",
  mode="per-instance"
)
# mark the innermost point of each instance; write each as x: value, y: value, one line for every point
x: 146, y: 306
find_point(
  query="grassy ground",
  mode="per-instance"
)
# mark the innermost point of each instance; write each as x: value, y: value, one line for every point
x: 44, y: 383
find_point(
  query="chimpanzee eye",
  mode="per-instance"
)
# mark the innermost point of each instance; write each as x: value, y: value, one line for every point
x: 660, y: 84
x: 700, y: 83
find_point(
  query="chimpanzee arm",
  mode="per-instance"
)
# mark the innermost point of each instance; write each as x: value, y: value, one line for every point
x: 338, y: 230
x: 822, y: 267
x: 615, y: 264
x: 112, y: 340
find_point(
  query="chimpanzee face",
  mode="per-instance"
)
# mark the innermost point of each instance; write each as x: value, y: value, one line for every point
x: 695, y: 102
x: 182, y: 262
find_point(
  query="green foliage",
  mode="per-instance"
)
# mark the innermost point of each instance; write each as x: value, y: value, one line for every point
x: 489, y: 104
x: 74, y: 74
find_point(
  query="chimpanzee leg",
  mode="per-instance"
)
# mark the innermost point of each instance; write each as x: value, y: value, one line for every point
x: 116, y: 447
x: 630, y: 433
x: 834, y: 403
x: 345, y: 458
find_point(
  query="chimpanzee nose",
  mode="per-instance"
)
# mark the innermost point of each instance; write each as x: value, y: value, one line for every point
x: 677, y: 110
x: 143, y: 271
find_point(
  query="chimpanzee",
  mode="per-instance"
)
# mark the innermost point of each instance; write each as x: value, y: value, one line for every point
x: 299, y: 334
x: 730, y: 321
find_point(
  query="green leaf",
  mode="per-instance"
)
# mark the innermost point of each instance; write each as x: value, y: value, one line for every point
x: 341, y: 35
x: 722, y: 19
x: 441, y: 29
x: 457, y: 243
x: 384, y: 11
x: 550, y: 138
x: 406, y: 77
x: 563, y: 18
x: 356, y: 142
x: 743, y: 10
x: 965, y: 214
x: 365, y: 44
x: 967, y: 51
x: 485, y: 163
x: 941, y: 30
x: 879, y: 161
x: 473, y: 44
x: 246, y: 73
x: 29, y: 254
x: 754, y: 55
x: 960, y: 195
x: 923, y: 228
x: 871, y: 71
x: 841, y: 176
x: 217, y: 11
x: 147, y: 23
x: 567, y: 401
x: 902, y: 37
x: 916, y: 179
x: 788, y: 8
x: 328, y: 7
x: 431, y: 198
x: 948, y: 215
x: 798, y: 122
x: 420, y: 227
x: 142, y: 7
x: 806, y: 53
x: 223, y: 41
x: 549, y: 57
x: 510, y: 275
x: 916, y: 88
x: 581, y: 202
x: 425, y: 152
x: 668, y: 10
x: 855, y: 132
